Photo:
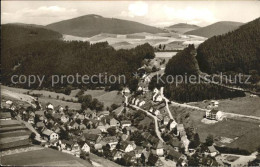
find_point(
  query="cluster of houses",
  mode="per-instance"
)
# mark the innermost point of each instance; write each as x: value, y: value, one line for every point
x: 102, y: 133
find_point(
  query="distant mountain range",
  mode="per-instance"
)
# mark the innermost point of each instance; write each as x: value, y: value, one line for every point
x: 90, y: 25
x: 218, y: 28
x: 182, y: 27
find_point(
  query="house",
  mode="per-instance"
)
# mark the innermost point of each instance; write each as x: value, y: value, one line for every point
x: 138, y: 151
x: 126, y: 91
x: 127, y: 146
x: 92, y: 131
x: 116, y: 154
x: 180, y: 130
x: 56, y: 116
x: 130, y: 157
x: 125, y: 123
x: 156, y: 112
x: 84, y: 147
x: 159, y: 148
x: 70, y: 145
x: 166, y: 120
x: 64, y: 118
x: 175, y: 143
x: 111, y: 121
x: 130, y: 129
x: 172, y: 124
x: 102, y: 114
x: 154, y: 160
x: 92, y: 123
x: 59, y: 109
x: 73, y: 125
x: 98, y: 147
x: 5, y: 116
x: 49, y: 106
x: 173, y: 155
x: 212, y: 151
x: 214, y: 114
x: 141, y: 103
x: 49, y: 135
x: 82, y: 126
x: 89, y: 114
x: 31, y: 120
x: 213, y: 104
x: 111, y: 141
x: 40, y: 115
x: 40, y: 125
x: 185, y: 142
x: 92, y: 138
x: 136, y: 102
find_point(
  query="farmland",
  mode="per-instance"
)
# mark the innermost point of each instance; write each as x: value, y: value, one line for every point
x: 172, y: 41
x: 242, y: 134
x: 241, y: 105
x: 43, y: 157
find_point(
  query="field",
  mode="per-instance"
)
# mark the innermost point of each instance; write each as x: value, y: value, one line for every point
x: 172, y: 41
x: 19, y: 94
x: 108, y: 98
x: 242, y: 134
x: 44, y: 157
x: 241, y: 105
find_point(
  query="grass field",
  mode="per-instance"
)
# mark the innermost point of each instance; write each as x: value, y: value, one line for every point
x: 240, y: 105
x: 44, y: 157
x: 243, y: 133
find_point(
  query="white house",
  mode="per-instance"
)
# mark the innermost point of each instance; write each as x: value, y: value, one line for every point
x: 127, y: 146
x: 50, y: 106
x: 141, y: 103
x: 49, y: 135
x: 85, y: 147
x: 214, y: 114
x: 156, y: 112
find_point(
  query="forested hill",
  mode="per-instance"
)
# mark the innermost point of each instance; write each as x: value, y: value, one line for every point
x: 90, y: 25
x: 19, y: 34
x: 218, y: 28
x: 237, y: 51
x: 183, y: 62
x: 56, y: 57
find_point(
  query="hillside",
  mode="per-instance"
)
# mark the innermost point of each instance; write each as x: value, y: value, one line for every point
x: 237, y: 51
x: 183, y: 62
x: 182, y: 27
x: 218, y: 28
x: 14, y: 35
x: 90, y: 25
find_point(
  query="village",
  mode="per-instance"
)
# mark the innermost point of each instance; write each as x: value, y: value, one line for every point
x: 142, y: 131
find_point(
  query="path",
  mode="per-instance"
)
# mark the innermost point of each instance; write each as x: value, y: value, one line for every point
x: 157, y: 131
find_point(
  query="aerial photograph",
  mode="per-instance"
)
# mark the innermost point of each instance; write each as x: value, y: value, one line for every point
x: 88, y: 83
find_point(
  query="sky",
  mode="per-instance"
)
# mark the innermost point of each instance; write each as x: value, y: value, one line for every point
x: 154, y: 13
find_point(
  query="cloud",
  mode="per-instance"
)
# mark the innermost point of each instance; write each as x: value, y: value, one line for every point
x: 136, y: 9
x: 50, y: 11
x: 162, y: 15
x: 46, y: 14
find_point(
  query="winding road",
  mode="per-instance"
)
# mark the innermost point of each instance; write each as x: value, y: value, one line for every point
x: 157, y: 131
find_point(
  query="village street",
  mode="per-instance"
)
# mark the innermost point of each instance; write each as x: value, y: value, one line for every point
x: 158, y: 133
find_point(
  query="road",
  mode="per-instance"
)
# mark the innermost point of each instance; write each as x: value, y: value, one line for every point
x: 157, y: 131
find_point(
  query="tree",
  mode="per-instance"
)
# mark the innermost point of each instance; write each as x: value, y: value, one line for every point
x: 32, y: 136
x: 209, y: 140
x: 137, y: 138
x: 111, y: 131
